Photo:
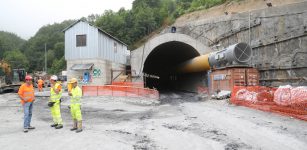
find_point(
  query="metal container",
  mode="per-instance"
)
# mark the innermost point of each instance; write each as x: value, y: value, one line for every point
x: 225, y: 79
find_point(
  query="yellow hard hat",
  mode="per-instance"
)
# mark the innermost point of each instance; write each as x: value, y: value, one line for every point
x: 73, y: 80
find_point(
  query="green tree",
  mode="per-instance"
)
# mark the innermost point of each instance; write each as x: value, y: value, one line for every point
x: 53, y: 37
x: 59, y: 49
x: 16, y: 59
x: 57, y: 66
x: 9, y: 41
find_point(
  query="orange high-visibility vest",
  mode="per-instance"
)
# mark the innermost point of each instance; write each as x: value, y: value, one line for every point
x: 26, y: 92
x: 40, y: 82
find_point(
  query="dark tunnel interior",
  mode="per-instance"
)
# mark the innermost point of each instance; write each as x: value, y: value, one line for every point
x: 159, y: 68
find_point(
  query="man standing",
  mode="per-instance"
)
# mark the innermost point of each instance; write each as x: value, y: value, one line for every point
x: 26, y: 94
x: 55, y: 103
x: 40, y: 83
x: 75, y: 105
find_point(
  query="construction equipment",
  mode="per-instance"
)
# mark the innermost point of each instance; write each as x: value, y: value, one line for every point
x: 10, y: 80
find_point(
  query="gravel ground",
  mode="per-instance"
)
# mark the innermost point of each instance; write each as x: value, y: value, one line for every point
x: 176, y: 121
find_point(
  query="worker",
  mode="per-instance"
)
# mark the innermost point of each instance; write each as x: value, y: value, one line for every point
x: 55, y: 102
x: 40, y: 84
x: 75, y: 105
x: 26, y: 94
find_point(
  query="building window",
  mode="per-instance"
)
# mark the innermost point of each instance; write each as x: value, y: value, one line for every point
x: 115, y: 47
x: 81, y: 40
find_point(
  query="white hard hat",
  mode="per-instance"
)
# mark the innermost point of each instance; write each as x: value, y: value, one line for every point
x: 54, y: 77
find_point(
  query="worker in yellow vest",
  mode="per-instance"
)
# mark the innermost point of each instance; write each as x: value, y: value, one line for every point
x: 55, y: 102
x: 75, y: 105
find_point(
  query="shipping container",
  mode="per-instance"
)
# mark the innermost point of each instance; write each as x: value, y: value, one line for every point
x: 225, y: 79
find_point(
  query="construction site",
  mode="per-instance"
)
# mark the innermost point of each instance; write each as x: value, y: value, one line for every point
x: 232, y: 77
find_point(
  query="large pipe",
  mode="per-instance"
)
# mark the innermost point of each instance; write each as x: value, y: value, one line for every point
x: 239, y: 53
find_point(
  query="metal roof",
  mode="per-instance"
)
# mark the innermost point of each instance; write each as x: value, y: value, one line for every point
x: 82, y: 66
x: 94, y: 27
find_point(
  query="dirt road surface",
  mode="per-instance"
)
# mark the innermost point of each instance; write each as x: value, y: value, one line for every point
x: 175, y: 122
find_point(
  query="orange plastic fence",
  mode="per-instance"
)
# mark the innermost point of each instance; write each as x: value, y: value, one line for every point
x: 134, y: 84
x: 284, y: 100
x: 115, y: 90
x: 202, y: 90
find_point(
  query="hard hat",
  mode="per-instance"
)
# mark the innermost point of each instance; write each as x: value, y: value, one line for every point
x: 54, y: 77
x: 28, y: 77
x: 73, y: 80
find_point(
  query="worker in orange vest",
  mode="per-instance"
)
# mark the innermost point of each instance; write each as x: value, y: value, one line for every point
x: 40, y: 83
x: 26, y: 94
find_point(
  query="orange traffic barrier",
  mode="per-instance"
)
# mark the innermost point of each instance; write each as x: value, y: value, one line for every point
x: 123, y: 91
x: 284, y: 100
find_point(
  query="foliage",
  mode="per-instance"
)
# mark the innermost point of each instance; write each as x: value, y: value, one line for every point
x: 16, y: 59
x: 130, y: 26
x: 53, y: 37
x: 8, y: 42
x: 57, y: 66
x: 147, y: 16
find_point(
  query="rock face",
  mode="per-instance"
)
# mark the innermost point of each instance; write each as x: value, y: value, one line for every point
x: 278, y: 36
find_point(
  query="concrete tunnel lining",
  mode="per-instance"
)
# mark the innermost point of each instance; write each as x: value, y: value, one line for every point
x: 148, y: 53
x: 160, y: 64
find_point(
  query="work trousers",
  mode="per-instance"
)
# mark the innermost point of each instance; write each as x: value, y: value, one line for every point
x: 56, y: 113
x: 75, y: 110
x: 27, y: 109
x: 40, y: 87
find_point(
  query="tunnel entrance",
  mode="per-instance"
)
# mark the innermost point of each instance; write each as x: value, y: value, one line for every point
x: 160, y: 68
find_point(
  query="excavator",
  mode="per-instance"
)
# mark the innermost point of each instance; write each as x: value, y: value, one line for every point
x: 10, y: 79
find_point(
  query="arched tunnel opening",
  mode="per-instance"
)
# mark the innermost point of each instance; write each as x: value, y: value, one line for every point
x: 160, y: 68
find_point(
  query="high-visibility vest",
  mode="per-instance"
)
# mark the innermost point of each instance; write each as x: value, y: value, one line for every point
x: 76, y: 95
x: 40, y: 82
x: 26, y: 92
x: 54, y: 96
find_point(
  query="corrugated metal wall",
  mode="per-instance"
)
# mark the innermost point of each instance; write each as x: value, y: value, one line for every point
x: 107, y: 49
x: 98, y: 45
x: 225, y: 79
x: 88, y: 51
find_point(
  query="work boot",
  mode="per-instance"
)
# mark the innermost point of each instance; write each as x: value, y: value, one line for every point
x: 54, y: 125
x: 79, y: 127
x: 59, y: 126
x: 25, y: 130
x: 74, y: 126
x: 30, y: 127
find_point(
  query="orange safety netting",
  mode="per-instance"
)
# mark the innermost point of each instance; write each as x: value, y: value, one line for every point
x: 284, y: 100
x: 115, y: 90
x: 134, y: 84
x: 202, y: 90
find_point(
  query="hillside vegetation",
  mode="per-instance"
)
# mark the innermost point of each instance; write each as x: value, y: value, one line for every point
x: 129, y: 26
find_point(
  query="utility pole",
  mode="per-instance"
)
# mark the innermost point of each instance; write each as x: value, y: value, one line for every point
x: 45, y: 58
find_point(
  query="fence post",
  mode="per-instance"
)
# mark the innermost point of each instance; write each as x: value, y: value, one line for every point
x: 112, y: 90
x: 96, y: 90
x: 126, y: 91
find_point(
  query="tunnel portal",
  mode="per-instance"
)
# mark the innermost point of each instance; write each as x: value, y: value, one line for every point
x: 160, y: 68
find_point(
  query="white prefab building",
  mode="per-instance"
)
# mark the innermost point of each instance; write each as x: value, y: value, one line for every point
x: 92, y: 53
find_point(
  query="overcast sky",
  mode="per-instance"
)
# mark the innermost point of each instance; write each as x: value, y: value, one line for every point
x: 25, y: 17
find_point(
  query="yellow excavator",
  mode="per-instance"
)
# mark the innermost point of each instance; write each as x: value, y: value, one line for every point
x: 10, y: 80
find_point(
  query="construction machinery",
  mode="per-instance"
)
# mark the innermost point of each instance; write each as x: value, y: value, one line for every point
x: 10, y: 79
